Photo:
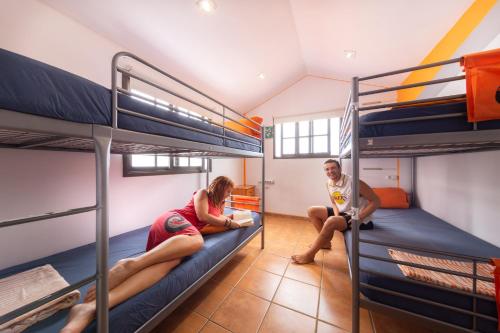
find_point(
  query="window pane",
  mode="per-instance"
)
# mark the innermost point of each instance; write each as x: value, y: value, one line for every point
x: 334, y: 136
x: 320, y: 126
x: 196, y: 161
x: 288, y: 130
x: 304, y: 128
x: 304, y: 145
x: 288, y: 146
x: 143, y: 161
x: 163, y: 161
x: 277, y: 140
x: 183, y: 161
x: 320, y: 144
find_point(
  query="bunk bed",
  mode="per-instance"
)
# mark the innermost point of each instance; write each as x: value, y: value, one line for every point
x: 410, y: 129
x: 43, y: 107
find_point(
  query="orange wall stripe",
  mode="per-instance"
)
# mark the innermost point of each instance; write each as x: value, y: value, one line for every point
x: 446, y: 47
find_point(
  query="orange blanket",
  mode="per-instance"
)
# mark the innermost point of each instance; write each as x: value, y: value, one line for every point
x: 496, y: 262
x: 482, y: 75
x: 444, y: 279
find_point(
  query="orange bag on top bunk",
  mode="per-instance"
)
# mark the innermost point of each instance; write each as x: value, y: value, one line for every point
x: 482, y: 76
x: 496, y: 272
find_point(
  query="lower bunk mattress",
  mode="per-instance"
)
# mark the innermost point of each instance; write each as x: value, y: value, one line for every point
x: 417, y: 228
x: 33, y: 87
x: 78, y: 263
x: 424, y: 126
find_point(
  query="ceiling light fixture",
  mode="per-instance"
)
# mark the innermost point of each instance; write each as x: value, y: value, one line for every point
x: 206, y: 5
x: 262, y: 76
x: 350, y: 54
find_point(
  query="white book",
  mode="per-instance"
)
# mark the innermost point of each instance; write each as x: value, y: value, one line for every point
x: 243, y: 218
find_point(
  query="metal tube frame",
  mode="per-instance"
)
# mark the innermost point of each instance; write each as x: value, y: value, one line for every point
x: 355, y: 204
x: 157, y: 86
x: 263, y: 196
x: 115, y: 69
x: 102, y: 136
x: 352, y: 118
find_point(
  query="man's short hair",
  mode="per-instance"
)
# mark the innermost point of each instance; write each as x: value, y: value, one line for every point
x: 331, y: 160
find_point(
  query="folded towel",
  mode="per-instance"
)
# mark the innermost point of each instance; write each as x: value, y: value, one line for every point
x: 496, y: 263
x: 23, y: 288
x: 445, y: 279
x: 482, y: 78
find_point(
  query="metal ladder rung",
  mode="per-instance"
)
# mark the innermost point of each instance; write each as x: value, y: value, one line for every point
x: 46, y: 216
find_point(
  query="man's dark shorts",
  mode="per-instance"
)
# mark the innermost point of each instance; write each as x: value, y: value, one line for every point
x: 347, y: 217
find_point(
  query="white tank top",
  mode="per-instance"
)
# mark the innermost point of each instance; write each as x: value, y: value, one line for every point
x: 340, y: 193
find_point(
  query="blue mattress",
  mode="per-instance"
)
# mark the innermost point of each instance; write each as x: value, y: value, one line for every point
x: 30, y: 86
x: 78, y: 263
x: 455, y: 124
x: 415, y: 227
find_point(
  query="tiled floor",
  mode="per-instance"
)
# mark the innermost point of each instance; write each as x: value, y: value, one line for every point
x: 262, y: 291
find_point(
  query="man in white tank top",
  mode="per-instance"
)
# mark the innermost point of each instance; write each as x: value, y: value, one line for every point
x: 338, y: 217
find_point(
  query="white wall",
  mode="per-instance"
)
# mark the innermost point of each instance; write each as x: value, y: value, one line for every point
x: 462, y: 189
x: 35, y: 182
x: 300, y: 183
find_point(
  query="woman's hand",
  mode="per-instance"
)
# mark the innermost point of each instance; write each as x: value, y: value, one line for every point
x: 234, y: 225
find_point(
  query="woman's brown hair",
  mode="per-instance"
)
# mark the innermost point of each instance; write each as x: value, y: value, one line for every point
x: 216, y: 190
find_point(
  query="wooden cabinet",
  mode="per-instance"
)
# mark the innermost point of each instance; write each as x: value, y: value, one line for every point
x: 244, y: 190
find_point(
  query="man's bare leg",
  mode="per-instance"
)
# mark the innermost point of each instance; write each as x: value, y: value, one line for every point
x: 331, y: 224
x: 173, y: 248
x: 317, y: 216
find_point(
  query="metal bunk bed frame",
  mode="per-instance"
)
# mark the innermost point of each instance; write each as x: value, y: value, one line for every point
x: 354, y: 147
x: 26, y: 131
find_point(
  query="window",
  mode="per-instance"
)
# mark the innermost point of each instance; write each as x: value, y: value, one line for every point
x: 307, y: 138
x: 157, y: 164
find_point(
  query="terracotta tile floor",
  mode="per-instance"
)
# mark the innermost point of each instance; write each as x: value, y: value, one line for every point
x: 262, y: 291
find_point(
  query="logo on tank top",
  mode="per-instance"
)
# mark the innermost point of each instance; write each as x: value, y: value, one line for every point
x: 176, y: 223
x: 339, y: 197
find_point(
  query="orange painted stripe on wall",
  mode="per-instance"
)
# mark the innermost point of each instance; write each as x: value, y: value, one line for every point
x: 446, y: 47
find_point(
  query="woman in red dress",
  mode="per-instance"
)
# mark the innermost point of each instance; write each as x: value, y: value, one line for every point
x: 173, y: 236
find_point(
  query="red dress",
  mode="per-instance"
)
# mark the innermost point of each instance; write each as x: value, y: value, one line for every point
x: 175, y: 222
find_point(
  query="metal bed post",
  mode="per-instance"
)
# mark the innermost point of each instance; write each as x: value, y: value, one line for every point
x: 263, y: 196
x: 207, y: 180
x: 102, y: 138
x: 355, y: 207
x: 114, y: 89
x: 413, y: 180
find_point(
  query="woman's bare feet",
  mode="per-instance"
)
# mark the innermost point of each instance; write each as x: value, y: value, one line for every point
x: 303, y: 258
x: 117, y: 274
x: 79, y: 317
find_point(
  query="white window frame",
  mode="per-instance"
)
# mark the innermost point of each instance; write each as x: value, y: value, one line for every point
x: 172, y: 169
x: 330, y: 150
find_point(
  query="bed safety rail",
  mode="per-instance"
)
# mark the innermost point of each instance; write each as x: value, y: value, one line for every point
x: 126, y: 75
x: 367, y: 143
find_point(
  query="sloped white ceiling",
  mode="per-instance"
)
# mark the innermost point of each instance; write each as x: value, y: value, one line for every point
x: 223, y: 53
x: 386, y: 34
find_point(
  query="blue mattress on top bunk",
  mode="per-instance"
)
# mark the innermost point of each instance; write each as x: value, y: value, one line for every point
x: 415, y: 227
x: 78, y: 263
x: 30, y: 86
x: 454, y: 124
